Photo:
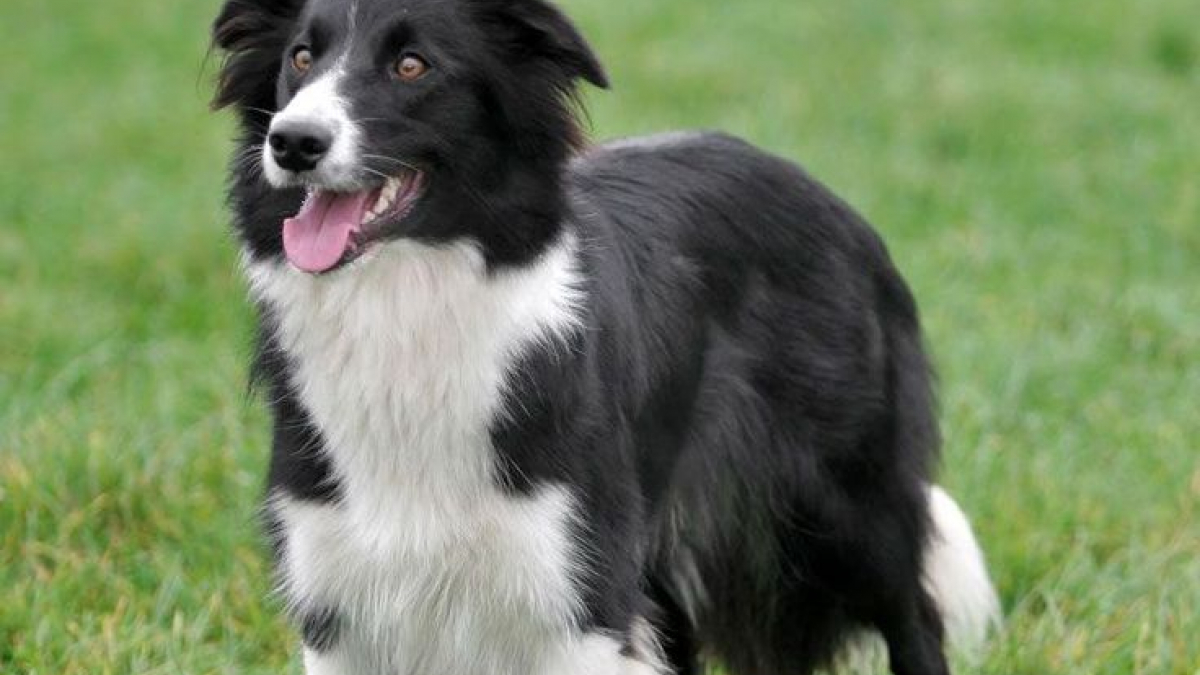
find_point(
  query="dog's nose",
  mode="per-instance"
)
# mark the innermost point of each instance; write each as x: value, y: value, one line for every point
x: 298, y: 146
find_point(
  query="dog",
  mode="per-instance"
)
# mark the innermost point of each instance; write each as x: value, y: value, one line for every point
x: 542, y: 407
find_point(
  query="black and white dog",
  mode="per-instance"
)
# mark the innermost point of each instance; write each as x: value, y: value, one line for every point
x: 542, y: 408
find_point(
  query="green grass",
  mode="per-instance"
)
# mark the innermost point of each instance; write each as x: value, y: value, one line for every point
x: 1034, y: 165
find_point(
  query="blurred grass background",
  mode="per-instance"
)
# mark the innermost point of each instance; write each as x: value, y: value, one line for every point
x: 1034, y: 165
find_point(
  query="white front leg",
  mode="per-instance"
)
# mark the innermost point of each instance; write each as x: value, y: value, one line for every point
x: 593, y: 655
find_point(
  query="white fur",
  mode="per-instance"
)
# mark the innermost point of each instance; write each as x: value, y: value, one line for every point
x: 495, y: 597
x: 328, y: 663
x: 592, y: 654
x: 601, y: 655
x: 956, y: 576
x: 401, y: 359
x: 320, y: 103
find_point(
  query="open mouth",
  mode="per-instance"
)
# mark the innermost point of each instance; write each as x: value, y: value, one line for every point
x: 333, y: 228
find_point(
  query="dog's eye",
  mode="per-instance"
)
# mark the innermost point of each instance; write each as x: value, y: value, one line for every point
x: 302, y: 60
x: 411, y: 67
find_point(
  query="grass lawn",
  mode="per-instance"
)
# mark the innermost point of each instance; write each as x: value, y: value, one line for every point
x: 1034, y: 166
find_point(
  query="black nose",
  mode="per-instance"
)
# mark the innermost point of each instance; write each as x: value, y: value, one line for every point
x: 298, y: 146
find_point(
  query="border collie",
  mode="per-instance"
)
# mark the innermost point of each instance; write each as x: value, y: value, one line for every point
x: 545, y: 408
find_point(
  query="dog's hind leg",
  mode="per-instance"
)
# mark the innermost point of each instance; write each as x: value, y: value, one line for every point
x: 954, y: 603
x: 912, y: 630
x: 675, y: 633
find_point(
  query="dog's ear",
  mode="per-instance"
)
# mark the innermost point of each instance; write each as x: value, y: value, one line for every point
x: 252, y: 34
x: 536, y: 29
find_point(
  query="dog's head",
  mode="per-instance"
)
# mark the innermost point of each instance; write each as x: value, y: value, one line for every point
x: 379, y: 113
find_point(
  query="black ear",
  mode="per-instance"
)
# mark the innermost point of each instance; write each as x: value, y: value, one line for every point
x: 537, y: 29
x: 253, y: 34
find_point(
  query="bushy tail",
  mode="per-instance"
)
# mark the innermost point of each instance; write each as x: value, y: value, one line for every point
x: 956, y: 576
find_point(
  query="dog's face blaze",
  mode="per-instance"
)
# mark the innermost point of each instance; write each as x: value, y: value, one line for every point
x: 378, y: 112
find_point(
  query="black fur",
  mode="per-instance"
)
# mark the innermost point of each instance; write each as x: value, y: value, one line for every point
x: 749, y: 404
x: 319, y: 628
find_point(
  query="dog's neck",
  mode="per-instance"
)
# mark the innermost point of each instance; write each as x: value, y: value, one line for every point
x: 513, y: 214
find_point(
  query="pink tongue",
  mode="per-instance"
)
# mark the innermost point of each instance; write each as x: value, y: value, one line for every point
x: 316, y: 238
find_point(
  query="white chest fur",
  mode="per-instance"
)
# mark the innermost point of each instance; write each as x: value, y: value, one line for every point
x: 401, y: 360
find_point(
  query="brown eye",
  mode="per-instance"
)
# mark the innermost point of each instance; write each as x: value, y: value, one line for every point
x: 302, y: 60
x: 410, y: 67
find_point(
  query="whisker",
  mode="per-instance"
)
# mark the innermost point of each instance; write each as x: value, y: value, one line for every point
x: 377, y: 173
x: 253, y: 151
x: 398, y: 162
x: 249, y: 160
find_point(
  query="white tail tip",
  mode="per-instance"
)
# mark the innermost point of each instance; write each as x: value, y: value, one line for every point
x: 956, y: 576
